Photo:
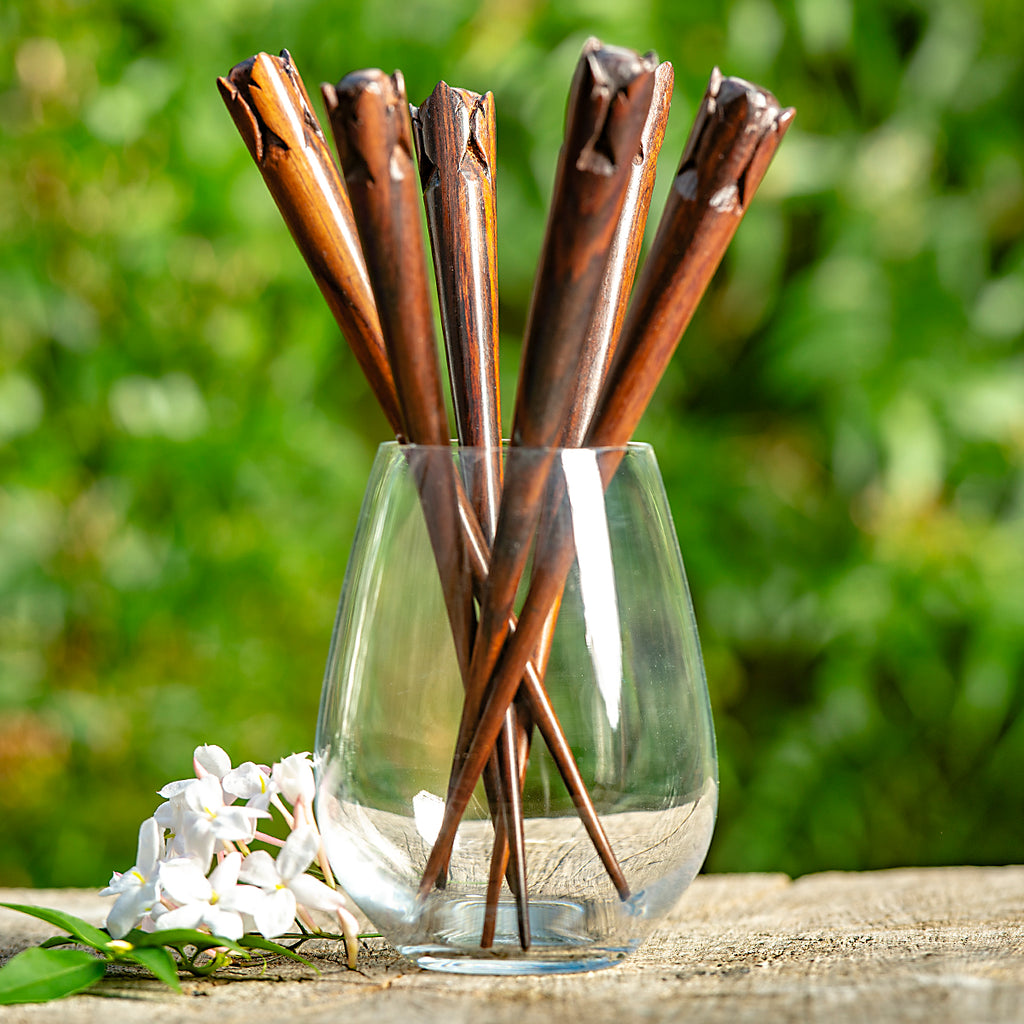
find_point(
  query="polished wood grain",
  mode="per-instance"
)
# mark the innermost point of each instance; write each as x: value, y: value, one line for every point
x: 607, y: 109
x: 270, y: 107
x: 616, y: 285
x: 608, y: 106
x: 613, y: 297
x: 545, y: 718
x: 456, y: 147
x: 455, y: 136
x: 735, y: 135
x: 369, y: 116
x: 737, y: 130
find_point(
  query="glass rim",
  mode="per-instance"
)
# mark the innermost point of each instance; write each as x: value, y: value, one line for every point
x: 507, y: 446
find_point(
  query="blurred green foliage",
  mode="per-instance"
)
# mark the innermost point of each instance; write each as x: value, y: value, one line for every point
x: 184, y: 438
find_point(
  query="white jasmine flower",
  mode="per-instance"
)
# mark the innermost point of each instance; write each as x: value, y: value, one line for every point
x: 294, y: 779
x: 138, y: 889
x: 286, y: 887
x: 207, y: 814
x: 251, y: 783
x: 216, y: 903
x: 206, y: 760
x: 211, y: 760
x: 174, y: 815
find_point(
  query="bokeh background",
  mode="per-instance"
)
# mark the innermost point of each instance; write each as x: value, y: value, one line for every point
x: 184, y: 437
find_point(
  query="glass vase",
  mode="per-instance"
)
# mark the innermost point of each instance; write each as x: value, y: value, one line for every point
x: 624, y: 675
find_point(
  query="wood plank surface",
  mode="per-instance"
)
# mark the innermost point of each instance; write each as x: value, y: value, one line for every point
x: 937, y: 945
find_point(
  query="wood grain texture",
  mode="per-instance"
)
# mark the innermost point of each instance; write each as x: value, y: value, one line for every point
x: 610, y: 310
x: 607, y: 109
x: 608, y: 106
x: 456, y: 147
x: 908, y: 945
x: 270, y: 107
x: 735, y: 134
x: 623, y: 256
x: 455, y: 136
x: 369, y: 115
x: 543, y: 714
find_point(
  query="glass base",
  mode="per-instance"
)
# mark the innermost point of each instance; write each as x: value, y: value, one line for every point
x: 558, y: 941
x: 499, y: 966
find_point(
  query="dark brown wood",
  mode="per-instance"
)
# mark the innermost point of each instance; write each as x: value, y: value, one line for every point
x: 455, y: 138
x: 276, y: 121
x: 545, y: 718
x: 369, y: 115
x: 607, y: 109
x: 498, y: 867
x: 270, y: 107
x: 608, y: 105
x: 610, y: 311
x: 623, y: 256
x: 454, y: 132
x: 737, y: 131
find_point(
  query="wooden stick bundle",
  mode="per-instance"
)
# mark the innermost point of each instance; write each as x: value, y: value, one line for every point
x: 589, y: 368
x: 738, y: 128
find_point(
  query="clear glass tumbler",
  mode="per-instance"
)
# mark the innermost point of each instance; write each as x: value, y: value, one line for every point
x: 625, y: 678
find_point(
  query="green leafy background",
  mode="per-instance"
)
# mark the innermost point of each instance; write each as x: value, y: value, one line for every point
x: 184, y: 438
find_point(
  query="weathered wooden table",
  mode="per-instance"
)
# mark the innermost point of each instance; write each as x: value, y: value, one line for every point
x: 935, y: 945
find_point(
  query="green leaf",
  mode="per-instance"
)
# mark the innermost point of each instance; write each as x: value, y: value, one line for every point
x: 38, y: 975
x: 57, y: 940
x: 252, y: 941
x: 84, y: 932
x: 159, y: 962
x: 178, y: 937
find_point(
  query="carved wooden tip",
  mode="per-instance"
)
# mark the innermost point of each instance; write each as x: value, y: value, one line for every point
x: 277, y: 109
x: 612, y: 86
x: 443, y: 124
x: 245, y: 120
x: 235, y: 91
x: 370, y: 116
x: 657, y: 117
x: 615, y: 67
x: 240, y: 76
x: 371, y: 86
x: 454, y: 126
x: 481, y: 130
x: 737, y: 130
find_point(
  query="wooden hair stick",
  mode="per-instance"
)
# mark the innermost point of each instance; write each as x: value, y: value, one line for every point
x: 610, y: 311
x: 369, y: 115
x: 598, y: 349
x: 454, y: 132
x: 270, y: 107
